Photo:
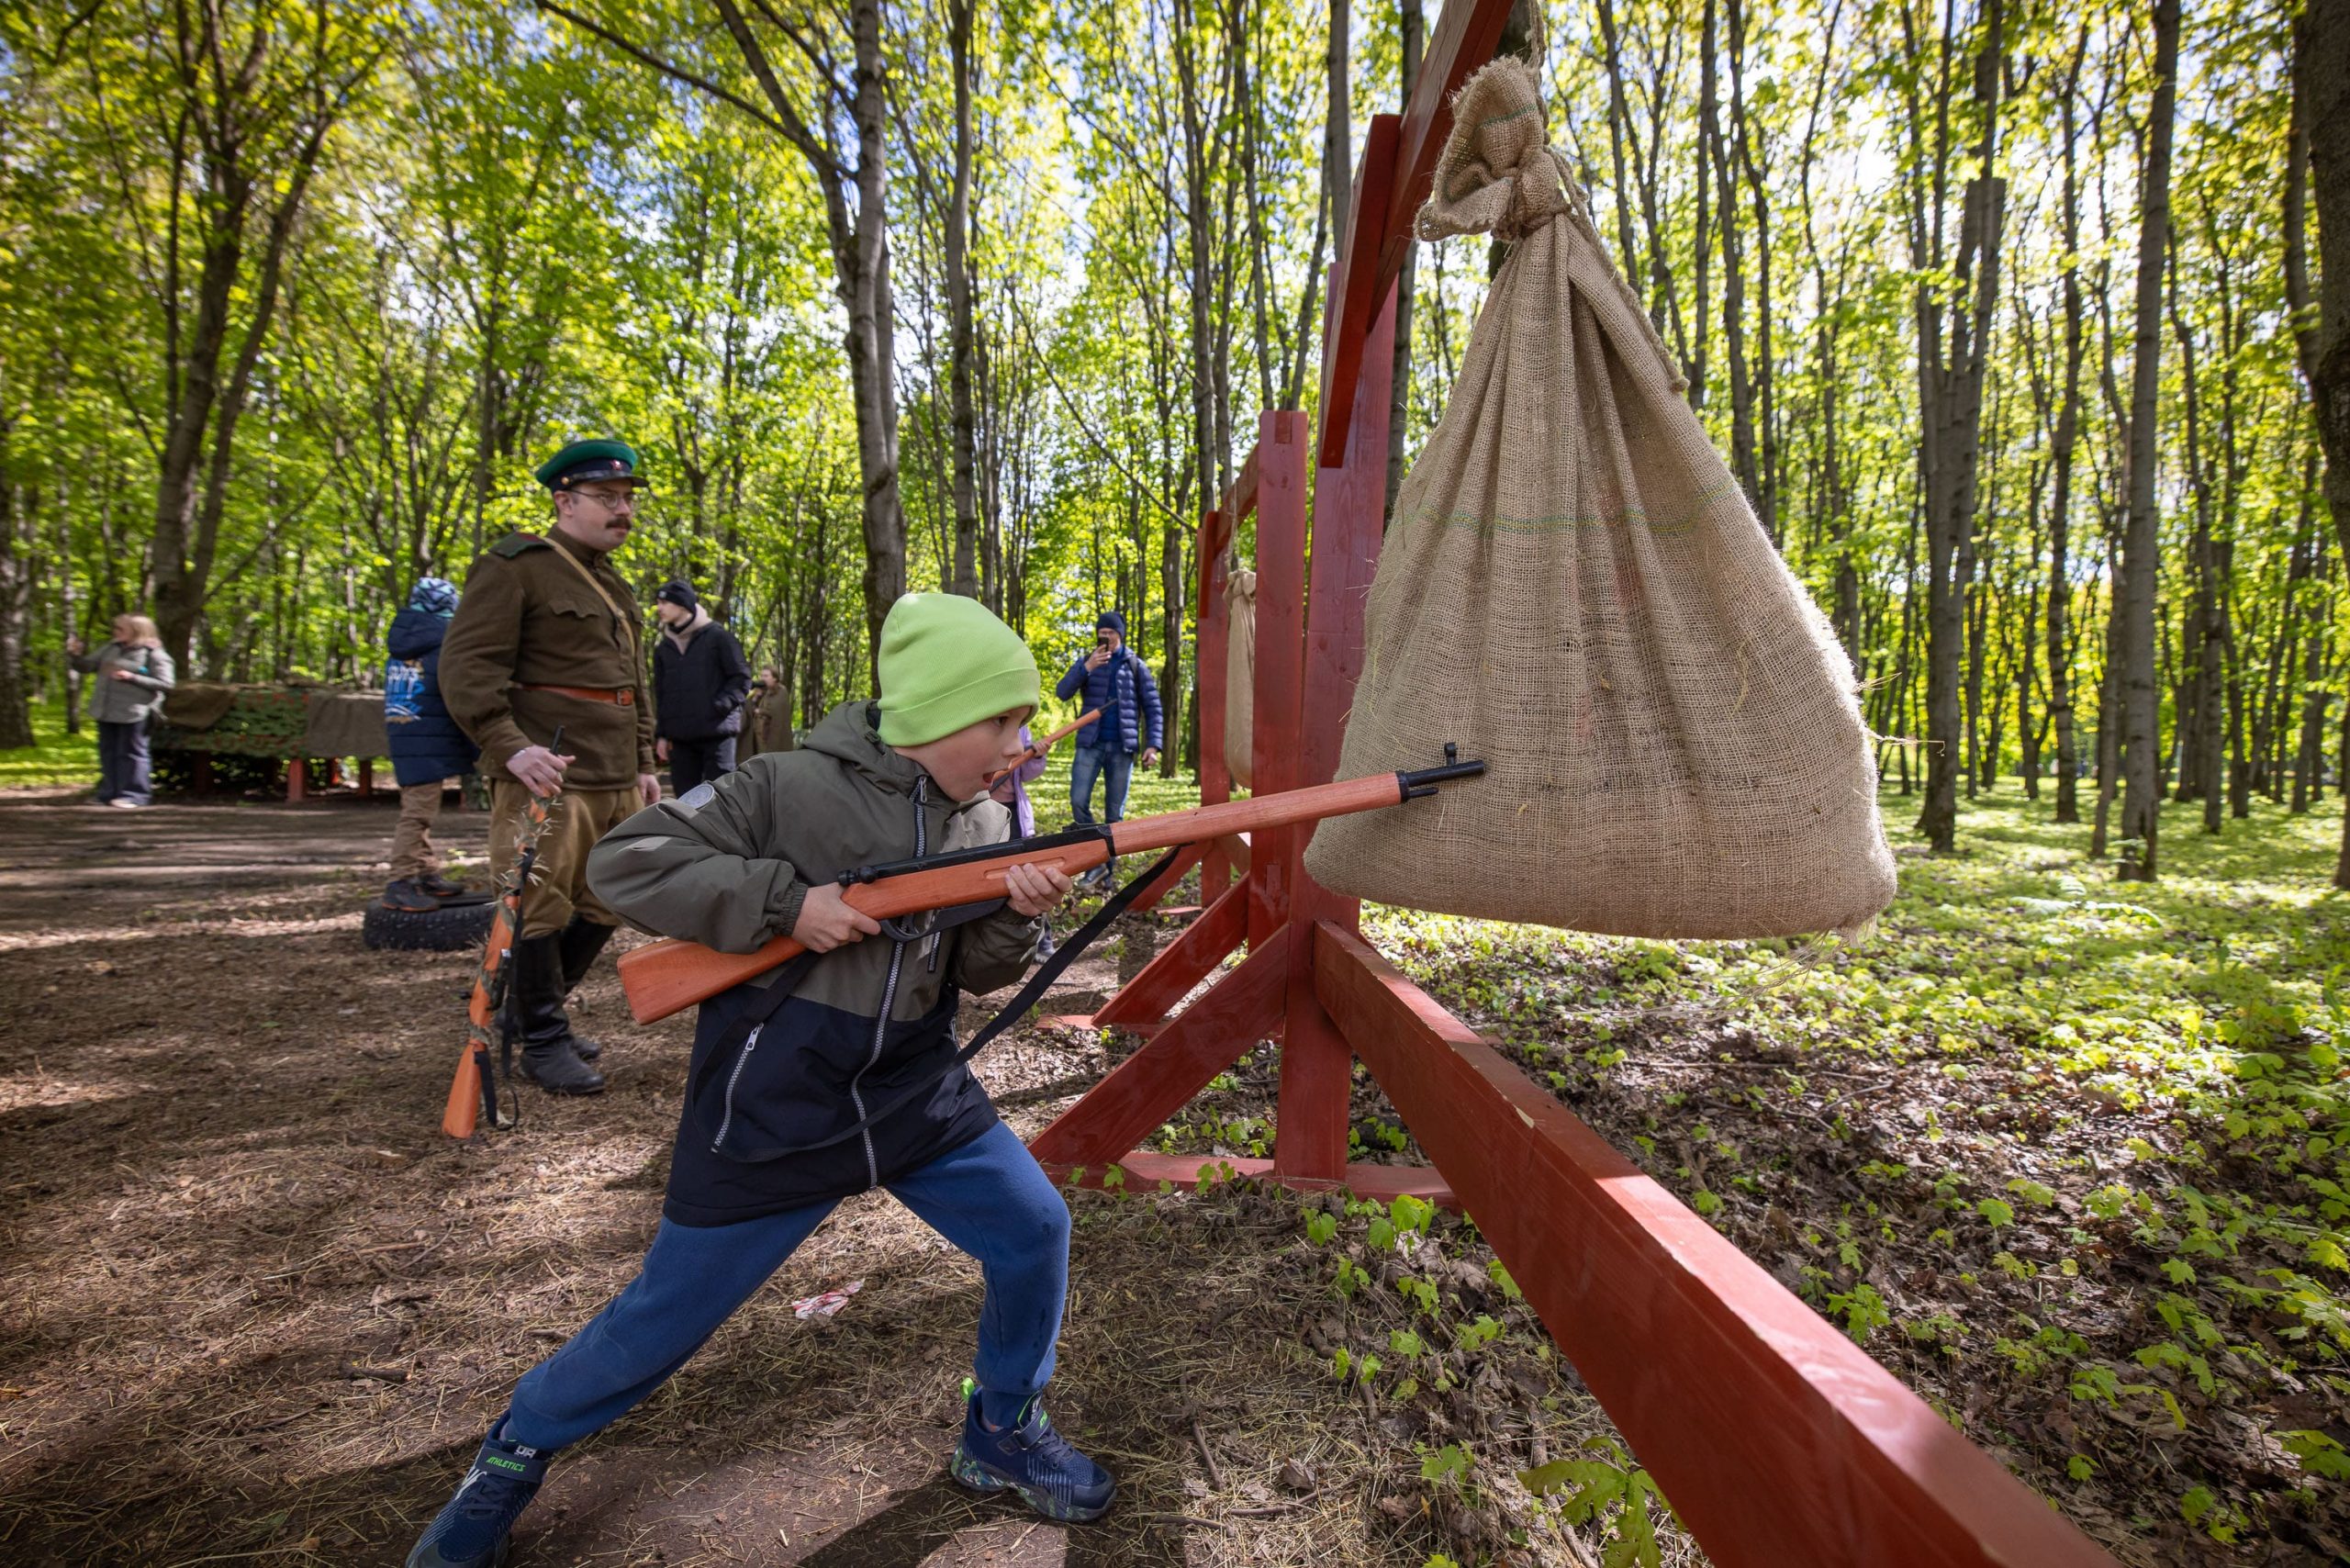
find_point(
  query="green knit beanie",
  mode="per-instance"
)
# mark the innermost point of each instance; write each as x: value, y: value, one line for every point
x: 946, y: 663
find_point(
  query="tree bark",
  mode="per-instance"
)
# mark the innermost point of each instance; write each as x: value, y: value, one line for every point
x: 2322, y: 101
x: 2062, y: 444
x: 1399, y: 394
x: 958, y: 307
x: 2140, y: 697
x: 1950, y: 375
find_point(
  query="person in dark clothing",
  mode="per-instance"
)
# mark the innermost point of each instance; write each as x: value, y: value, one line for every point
x: 846, y: 1080
x: 1119, y: 684
x: 698, y: 682
x: 425, y: 744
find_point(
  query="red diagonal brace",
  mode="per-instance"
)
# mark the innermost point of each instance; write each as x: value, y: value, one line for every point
x: 1158, y: 1080
x: 1182, y: 963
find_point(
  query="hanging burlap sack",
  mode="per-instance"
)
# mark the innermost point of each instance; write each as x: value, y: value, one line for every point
x: 1240, y: 676
x: 1575, y: 591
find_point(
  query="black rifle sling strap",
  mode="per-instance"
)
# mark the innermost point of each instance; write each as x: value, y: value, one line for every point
x: 788, y: 980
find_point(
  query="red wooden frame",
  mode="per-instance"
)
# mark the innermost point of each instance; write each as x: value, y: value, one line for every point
x: 1776, y: 1440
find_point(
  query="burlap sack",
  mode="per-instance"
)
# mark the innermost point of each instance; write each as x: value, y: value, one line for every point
x: 1574, y: 589
x: 1240, y: 676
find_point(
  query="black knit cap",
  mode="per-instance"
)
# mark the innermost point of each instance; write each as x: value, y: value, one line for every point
x: 680, y: 594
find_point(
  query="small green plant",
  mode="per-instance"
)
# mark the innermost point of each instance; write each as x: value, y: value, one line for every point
x: 1610, y: 1482
x: 1448, y: 1464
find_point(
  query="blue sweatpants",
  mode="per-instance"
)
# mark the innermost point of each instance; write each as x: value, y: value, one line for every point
x: 989, y: 1198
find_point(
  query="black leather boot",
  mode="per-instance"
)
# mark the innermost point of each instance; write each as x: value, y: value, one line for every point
x: 582, y: 940
x: 538, y: 1022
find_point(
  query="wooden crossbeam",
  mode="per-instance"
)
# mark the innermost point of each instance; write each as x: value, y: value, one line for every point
x: 1353, y: 280
x: 1143, y: 1170
x: 1160, y: 1079
x: 1776, y: 1438
x: 1380, y: 230
x: 1183, y: 963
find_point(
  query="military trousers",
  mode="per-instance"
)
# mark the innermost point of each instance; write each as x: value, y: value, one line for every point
x: 558, y: 887
x: 413, y: 855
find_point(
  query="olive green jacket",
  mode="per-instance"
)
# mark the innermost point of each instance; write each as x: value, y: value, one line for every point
x: 531, y: 618
x: 728, y: 863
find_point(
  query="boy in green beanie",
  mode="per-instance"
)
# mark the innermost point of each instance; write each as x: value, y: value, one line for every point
x: 792, y: 1100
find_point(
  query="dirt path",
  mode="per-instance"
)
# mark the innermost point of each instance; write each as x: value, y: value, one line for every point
x: 255, y: 1308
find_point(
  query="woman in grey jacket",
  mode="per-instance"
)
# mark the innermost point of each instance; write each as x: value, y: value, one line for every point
x: 133, y: 673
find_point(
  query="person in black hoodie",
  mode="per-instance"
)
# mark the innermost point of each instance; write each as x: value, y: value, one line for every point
x: 425, y: 744
x: 699, y: 683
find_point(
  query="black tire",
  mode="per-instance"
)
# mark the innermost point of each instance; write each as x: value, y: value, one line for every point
x: 443, y: 930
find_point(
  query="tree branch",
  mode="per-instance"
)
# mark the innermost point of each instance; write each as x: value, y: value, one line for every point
x: 676, y: 72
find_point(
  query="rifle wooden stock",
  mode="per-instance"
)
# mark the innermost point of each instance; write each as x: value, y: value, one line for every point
x: 469, y: 1086
x: 667, y: 976
x: 1038, y: 749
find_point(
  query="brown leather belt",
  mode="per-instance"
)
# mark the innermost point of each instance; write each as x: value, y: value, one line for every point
x: 624, y: 697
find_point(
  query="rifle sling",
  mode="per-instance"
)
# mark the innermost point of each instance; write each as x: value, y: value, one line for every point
x: 788, y: 981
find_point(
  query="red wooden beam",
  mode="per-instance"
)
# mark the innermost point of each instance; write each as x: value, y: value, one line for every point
x: 1212, y: 656
x: 1776, y: 1440
x: 1159, y: 887
x: 1354, y: 291
x: 1144, y: 1168
x: 1183, y: 963
x: 1281, y: 653
x: 1349, y: 506
x: 1466, y: 36
x: 1155, y: 1082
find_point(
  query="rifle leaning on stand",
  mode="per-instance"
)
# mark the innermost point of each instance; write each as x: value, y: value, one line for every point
x: 667, y: 976
x: 472, y: 1093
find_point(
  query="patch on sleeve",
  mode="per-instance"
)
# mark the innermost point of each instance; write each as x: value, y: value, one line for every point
x: 639, y: 845
x: 697, y: 797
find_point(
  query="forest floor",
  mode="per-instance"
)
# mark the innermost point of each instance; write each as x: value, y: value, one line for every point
x: 2068, y: 1159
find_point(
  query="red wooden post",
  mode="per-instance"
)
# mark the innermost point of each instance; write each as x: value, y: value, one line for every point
x: 368, y: 776
x: 1349, y: 503
x: 297, y: 772
x: 1157, y: 1080
x: 1209, y: 704
x: 1280, y: 652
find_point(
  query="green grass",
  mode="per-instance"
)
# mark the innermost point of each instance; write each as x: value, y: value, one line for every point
x: 1147, y: 796
x: 56, y: 757
x: 2072, y: 1155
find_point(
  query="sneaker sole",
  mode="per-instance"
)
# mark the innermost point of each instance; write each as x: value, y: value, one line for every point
x: 978, y: 1477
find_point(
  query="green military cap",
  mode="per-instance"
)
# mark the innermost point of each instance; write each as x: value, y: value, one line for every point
x: 584, y: 462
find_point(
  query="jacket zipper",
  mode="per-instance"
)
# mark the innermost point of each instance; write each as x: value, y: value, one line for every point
x: 889, y: 995
x: 733, y: 1077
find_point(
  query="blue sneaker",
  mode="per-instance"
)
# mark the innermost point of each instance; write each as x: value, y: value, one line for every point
x: 470, y: 1533
x: 1032, y: 1459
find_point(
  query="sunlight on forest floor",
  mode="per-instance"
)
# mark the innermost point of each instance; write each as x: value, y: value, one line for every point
x: 2069, y: 1156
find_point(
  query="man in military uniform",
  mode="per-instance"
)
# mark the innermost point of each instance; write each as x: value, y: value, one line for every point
x: 546, y: 636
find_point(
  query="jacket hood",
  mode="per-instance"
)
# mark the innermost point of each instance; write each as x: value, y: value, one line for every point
x: 851, y: 734
x: 681, y: 636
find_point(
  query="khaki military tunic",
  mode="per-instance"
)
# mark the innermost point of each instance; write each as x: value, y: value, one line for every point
x: 547, y: 635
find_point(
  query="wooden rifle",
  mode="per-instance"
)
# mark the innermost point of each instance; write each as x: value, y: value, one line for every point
x: 474, y: 1090
x: 669, y: 976
x: 1038, y: 749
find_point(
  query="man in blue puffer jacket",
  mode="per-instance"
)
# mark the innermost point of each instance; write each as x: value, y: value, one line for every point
x: 1119, y: 684
x: 425, y: 744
